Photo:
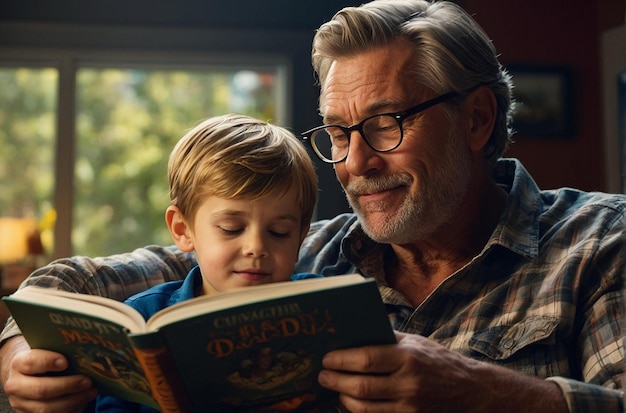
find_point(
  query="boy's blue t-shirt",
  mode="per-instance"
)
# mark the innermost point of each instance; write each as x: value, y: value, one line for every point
x: 150, y: 302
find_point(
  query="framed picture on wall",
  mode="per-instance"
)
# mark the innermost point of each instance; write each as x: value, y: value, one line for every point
x: 544, y: 106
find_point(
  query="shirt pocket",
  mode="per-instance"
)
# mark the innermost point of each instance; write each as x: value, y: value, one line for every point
x: 500, y: 343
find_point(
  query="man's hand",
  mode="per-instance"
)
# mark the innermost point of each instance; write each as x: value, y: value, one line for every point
x: 419, y: 375
x: 30, y: 388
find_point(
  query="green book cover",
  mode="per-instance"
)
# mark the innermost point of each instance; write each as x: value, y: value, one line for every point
x: 94, y: 346
x: 247, y: 349
x: 271, y: 350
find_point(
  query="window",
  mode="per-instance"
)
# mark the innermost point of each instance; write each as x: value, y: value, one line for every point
x: 27, y: 123
x: 96, y: 151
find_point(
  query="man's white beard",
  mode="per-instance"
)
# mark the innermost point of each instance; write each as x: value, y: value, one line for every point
x: 420, y: 214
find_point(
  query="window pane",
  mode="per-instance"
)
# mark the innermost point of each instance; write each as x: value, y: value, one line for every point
x: 28, y: 99
x: 128, y: 120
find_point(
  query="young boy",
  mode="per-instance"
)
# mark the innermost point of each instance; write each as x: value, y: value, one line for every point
x: 242, y: 194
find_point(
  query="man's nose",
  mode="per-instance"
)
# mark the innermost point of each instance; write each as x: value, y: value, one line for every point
x: 361, y: 159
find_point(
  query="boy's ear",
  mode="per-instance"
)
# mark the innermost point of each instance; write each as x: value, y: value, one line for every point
x: 180, y: 231
x: 483, y: 108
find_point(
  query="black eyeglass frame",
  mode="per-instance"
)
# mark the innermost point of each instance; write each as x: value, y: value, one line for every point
x: 398, y: 116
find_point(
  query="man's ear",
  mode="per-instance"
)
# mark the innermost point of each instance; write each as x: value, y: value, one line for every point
x: 180, y: 231
x: 482, y: 109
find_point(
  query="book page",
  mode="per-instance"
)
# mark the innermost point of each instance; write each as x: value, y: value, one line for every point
x: 246, y: 295
x: 93, y: 305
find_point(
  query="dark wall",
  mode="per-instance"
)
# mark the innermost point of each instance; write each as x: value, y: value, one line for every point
x: 252, y: 14
x: 563, y: 33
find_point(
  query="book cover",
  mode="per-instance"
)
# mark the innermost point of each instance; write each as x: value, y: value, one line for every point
x: 94, y: 346
x: 272, y: 350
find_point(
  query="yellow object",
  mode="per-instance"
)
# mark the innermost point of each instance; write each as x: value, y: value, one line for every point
x: 47, y: 221
x: 46, y: 228
x: 14, y: 233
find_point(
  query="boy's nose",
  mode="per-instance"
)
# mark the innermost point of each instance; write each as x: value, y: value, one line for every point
x: 255, y: 246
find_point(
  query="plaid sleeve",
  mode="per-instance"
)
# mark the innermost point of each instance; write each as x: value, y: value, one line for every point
x: 600, y: 345
x: 586, y: 398
x: 116, y: 276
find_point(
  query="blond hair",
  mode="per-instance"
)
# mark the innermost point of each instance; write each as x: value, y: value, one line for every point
x: 233, y: 156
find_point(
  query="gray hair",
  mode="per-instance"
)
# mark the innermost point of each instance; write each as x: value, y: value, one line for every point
x: 455, y: 53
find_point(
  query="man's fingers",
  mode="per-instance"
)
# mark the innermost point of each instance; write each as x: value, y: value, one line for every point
x: 51, y: 394
x: 26, y: 376
x: 39, y: 362
x: 370, y: 359
x: 76, y: 402
x: 37, y: 387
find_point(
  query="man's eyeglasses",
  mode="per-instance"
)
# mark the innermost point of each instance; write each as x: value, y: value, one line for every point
x: 382, y: 133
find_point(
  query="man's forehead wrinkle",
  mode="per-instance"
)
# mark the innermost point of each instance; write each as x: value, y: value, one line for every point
x: 359, y: 94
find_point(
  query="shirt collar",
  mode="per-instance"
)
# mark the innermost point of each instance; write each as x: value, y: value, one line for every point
x: 518, y: 228
x: 190, y: 287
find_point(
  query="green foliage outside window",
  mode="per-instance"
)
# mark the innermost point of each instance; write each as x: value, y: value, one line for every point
x: 127, y: 122
x: 27, y: 132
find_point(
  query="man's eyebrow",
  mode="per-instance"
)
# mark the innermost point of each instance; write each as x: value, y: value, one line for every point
x: 378, y: 107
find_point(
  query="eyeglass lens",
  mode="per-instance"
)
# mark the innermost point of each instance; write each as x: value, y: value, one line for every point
x: 382, y: 133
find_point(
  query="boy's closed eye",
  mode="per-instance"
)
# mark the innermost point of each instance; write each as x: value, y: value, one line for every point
x: 281, y: 234
x: 231, y: 231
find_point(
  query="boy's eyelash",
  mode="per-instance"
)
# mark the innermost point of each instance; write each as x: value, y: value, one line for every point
x: 240, y: 230
x: 231, y: 231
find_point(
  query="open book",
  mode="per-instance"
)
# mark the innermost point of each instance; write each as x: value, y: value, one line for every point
x: 247, y: 348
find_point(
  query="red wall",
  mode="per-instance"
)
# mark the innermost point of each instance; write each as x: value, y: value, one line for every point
x: 557, y: 32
